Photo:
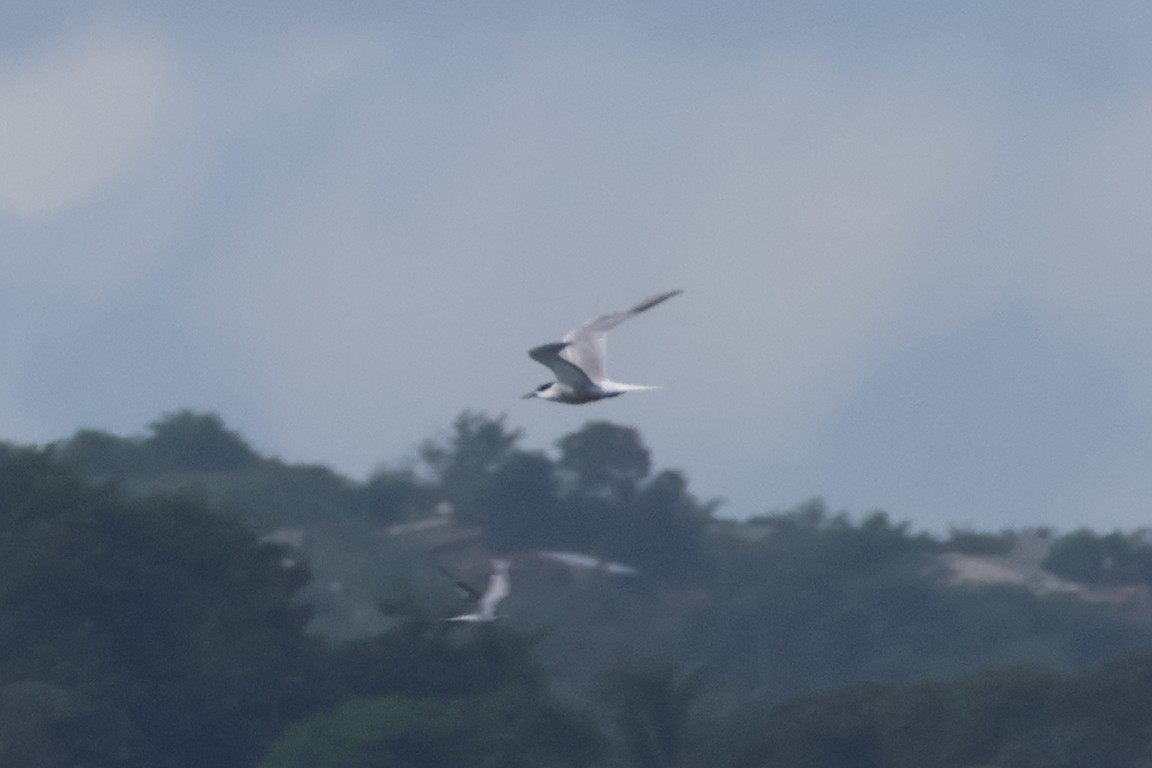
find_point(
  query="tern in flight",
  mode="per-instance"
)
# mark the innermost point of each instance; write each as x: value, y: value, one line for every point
x: 498, y: 588
x: 577, y: 360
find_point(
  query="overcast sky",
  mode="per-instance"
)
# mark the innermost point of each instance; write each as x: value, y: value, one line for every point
x: 915, y: 239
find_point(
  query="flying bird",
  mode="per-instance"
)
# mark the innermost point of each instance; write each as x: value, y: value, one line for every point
x: 577, y: 360
x: 499, y: 585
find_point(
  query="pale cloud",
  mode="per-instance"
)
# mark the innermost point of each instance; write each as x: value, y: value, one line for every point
x: 822, y: 193
x: 302, y: 66
x: 76, y: 117
x: 1014, y: 385
x: 94, y: 181
x: 401, y: 274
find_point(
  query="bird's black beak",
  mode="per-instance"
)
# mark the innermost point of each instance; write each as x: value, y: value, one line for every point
x: 528, y: 396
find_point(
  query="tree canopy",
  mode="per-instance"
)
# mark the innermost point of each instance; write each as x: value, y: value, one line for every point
x: 170, y: 625
x: 512, y: 727
x: 178, y: 599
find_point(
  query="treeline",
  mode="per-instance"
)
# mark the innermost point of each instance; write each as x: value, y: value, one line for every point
x: 145, y: 632
x: 815, y: 601
x: 599, y: 494
x: 147, y: 618
x: 1021, y: 717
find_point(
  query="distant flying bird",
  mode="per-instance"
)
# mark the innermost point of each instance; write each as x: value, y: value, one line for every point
x: 499, y: 585
x: 577, y: 360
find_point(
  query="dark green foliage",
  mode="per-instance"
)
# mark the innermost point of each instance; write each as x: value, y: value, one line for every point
x: 427, y: 657
x: 597, y: 497
x: 273, y: 495
x: 148, y: 630
x: 184, y: 441
x: 653, y: 708
x: 166, y: 636
x: 606, y: 507
x: 593, y: 499
x: 512, y: 727
x: 511, y: 494
x: 196, y: 442
x: 662, y: 530
x: 432, y: 693
x: 1107, y: 560
x: 191, y: 453
x: 391, y: 496
x: 1010, y: 718
x: 31, y: 716
x: 176, y: 632
x: 463, y: 467
x: 101, y: 454
x: 605, y: 460
x: 820, y: 602
x: 519, y: 504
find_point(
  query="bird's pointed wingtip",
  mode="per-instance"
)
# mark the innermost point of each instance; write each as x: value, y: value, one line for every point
x: 652, y: 301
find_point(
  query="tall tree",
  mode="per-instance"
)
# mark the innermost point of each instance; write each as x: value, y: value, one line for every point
x: 655, y: 712
x: 605, y: 460
x: 463, y: 466
x: 169, y: 622
x: 197, y: 442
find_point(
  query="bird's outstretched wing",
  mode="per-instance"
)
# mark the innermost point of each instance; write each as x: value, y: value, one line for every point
x: 585, y: 347
x: 564, y: 370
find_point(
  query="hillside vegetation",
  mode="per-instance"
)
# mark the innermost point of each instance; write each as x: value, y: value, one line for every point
x: 179, y: 599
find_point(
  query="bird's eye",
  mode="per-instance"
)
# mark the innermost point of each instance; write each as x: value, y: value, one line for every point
x: 543, y: 387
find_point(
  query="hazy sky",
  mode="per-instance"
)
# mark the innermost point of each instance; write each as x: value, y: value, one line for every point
x: 915, y: 239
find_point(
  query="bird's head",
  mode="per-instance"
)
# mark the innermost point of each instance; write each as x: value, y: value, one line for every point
x: 540, y: 391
